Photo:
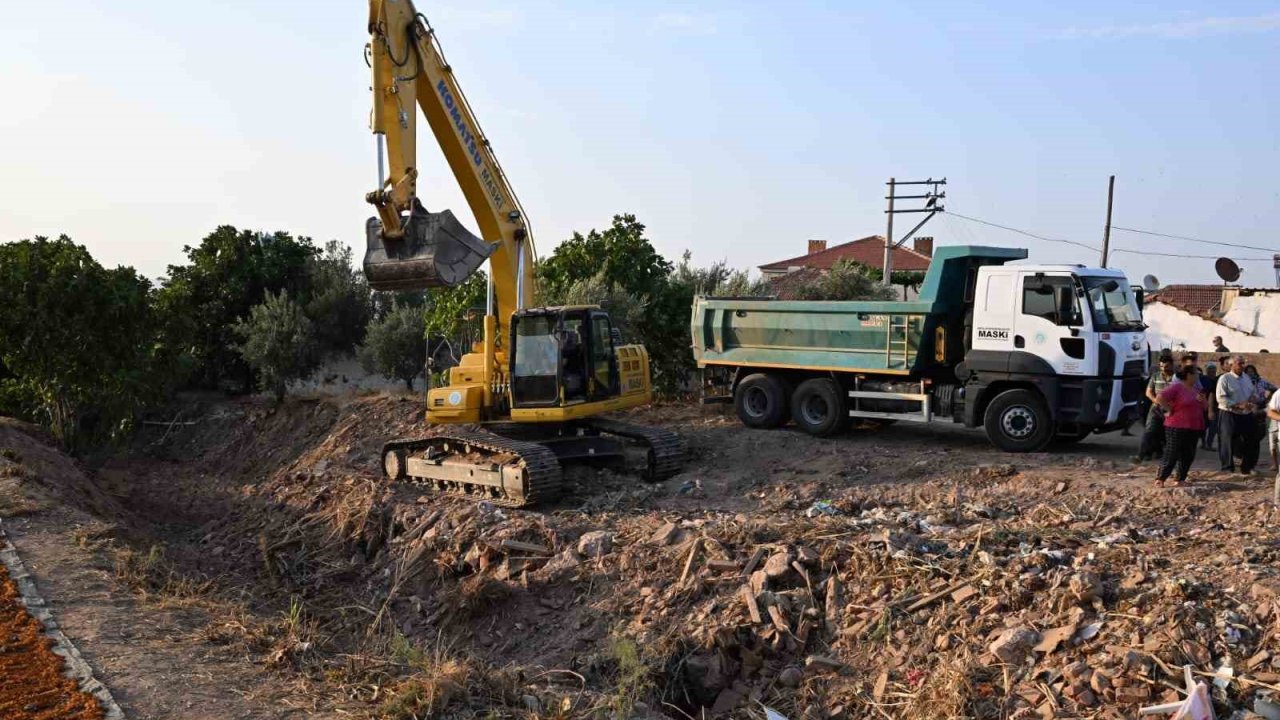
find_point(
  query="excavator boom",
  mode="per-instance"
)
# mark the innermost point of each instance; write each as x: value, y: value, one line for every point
x: 410, y: 248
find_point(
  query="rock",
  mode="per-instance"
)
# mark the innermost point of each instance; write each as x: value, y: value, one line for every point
x: 777, y: 565
x: 727, y: 700
x: 665, y: 534
x: 1085, y: 586
x: 565, y: 561
x: 595, y: 544
x: 807, y: 556
x: 791, y: 677
x: 822, y: 662
x: 1014, y: 644
x: 1077, y: 671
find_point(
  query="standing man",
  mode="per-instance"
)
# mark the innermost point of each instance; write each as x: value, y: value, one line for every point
x: 1209, y: 386
x: 1150, y: 445
x: 1218, y: 347
x: 1236, y: 426
x: 1273, y: 413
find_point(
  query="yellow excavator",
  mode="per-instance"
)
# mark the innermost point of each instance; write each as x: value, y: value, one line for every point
x: 530, y: 395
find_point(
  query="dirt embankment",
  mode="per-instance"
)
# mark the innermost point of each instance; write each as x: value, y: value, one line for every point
x: 907, y: 573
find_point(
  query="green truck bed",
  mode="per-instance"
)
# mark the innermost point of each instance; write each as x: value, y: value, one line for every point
x: 870, y: 336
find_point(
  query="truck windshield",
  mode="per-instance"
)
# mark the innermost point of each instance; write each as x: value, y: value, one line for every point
x: 1113, y: 304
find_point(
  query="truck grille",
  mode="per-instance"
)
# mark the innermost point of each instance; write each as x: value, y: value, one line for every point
x: 1134, y: 368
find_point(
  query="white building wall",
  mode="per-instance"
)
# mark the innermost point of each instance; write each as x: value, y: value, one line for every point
x: 1169, y: 327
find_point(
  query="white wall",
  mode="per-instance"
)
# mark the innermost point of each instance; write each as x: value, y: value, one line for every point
x: 344, y: 376
x: 1170, y: 327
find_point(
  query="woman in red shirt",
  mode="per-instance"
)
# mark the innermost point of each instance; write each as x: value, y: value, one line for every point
x: 1184, y: 405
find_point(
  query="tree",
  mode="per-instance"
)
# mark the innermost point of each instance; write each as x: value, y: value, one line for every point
x: 622, y: 255
x: 228, y: 273
x: 456, y: 314
x: 395, y: 346
x: 278, y: 341
x: 846, y: 280
x: 339, y: 301
x: 76, y: 340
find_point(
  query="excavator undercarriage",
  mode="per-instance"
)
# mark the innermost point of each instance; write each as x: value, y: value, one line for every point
x: 519, y: 465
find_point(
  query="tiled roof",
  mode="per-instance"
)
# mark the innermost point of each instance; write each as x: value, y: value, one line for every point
x: 1198, y: 300
x: 867, y: 251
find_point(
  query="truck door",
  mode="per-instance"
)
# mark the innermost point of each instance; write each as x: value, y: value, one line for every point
x: 993, y: 310
x: 1050, y: 324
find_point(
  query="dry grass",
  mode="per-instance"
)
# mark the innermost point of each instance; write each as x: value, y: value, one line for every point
x: 153, y: 576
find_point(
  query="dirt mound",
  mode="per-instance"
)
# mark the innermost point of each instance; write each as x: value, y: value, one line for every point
x: 888, y: 573
x: 35, y: 473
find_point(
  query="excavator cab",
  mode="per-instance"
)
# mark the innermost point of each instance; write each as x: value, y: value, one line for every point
x: 434, y: 250
x: 562, y: 356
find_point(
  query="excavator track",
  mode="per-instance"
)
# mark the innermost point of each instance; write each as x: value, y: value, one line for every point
x: 475, y: 465
x: 666, y: 450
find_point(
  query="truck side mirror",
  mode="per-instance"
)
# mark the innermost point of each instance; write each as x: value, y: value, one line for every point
x: 1140, y: 295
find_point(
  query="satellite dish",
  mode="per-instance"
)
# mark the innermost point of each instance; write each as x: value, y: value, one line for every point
x: 1151, y: 283
x: 1227, y: 269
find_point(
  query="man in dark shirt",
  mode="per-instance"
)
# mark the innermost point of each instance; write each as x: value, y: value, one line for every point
x: 1209, y: 386
x: 1218, y: 347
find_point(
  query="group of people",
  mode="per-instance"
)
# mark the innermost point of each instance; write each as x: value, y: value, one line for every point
x: 1193, y: 408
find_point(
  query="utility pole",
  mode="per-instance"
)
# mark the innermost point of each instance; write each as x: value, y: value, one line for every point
x: 1106, y: 234
x: 931, y: 206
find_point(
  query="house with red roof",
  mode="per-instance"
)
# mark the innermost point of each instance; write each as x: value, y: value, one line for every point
x: 1188, y: 317
x: 785, y: 275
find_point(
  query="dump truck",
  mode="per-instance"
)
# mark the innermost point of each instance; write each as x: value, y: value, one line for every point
x: 1031, y: 353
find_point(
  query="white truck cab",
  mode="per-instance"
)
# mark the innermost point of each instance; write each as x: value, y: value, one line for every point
x: 1075, y: 333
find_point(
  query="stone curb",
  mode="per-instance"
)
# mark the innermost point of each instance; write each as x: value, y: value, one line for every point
x: 77, y: 667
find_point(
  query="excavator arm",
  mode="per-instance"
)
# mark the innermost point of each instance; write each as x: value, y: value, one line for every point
x: 410, y: 248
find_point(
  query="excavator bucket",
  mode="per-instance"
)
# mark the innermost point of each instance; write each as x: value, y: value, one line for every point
x: 436, y: 251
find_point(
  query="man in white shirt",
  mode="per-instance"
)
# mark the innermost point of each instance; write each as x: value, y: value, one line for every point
x: 1273, y: 412
x: 1236, y: 424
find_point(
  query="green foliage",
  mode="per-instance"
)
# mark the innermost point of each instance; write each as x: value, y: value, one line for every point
x: 456, y: 314
x: 228, y: 273
x: 622, y: 254
x: 395, y: 346
x: 846, y: 281
x: 278, y: 342
x: 647, y: 297
x: 339, y: 301
x: 75, y: 340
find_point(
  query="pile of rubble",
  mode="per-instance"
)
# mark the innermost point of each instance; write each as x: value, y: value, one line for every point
x: 966, y: 601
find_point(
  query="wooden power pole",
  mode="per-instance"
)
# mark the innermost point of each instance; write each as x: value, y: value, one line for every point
x: 1106, y: 234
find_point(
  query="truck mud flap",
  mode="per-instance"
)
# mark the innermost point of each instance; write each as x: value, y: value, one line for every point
x: 436, y: 251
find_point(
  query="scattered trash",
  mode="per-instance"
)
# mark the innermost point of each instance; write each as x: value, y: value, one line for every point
x: 821, y: 507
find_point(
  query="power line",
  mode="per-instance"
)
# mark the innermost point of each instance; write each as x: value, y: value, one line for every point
x: 1186, y: 257
x: 1113, y: 249
x: 1191, y: 239
x: 1023, y: 232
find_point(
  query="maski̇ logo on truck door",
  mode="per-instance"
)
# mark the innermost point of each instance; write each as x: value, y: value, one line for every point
x: 993, y: 334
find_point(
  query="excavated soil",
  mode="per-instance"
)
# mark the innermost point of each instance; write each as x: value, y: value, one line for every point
x: 32, y: 684
x: 900, y: 572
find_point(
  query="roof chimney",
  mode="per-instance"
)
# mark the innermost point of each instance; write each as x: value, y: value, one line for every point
x: 924, y: 246
x: 816, y: 246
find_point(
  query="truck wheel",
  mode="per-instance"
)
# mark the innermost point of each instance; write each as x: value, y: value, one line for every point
x: 1018, y: 421
x: 761, y: 401
x: 817, y: 407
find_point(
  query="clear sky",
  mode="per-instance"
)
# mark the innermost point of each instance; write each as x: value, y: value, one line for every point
x: 737, y: 130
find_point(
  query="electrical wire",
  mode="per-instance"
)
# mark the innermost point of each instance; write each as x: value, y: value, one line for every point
x: 1114, y: 249
x: 1187, y: 257
x: 1023, y: 232
x: 1191, y: 239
